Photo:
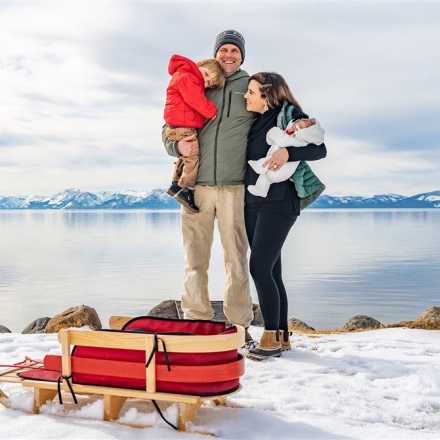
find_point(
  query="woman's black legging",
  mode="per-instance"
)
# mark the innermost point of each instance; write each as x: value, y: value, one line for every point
x: 267, y: 226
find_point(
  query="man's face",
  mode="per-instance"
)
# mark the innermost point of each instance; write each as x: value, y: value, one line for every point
x: 229, y: 57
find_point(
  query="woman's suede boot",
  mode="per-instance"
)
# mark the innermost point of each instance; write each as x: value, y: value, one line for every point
x: 285, y: 340
x: 269, y: 346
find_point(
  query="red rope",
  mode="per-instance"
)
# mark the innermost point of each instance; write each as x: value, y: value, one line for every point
x: 26, y: 363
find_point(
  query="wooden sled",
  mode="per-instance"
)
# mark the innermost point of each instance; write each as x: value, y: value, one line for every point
x: 114, y: 398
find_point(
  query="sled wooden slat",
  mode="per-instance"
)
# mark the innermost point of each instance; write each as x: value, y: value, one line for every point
x: 4, y: 402
x: 113, y: 406
x: 103, y: 339
x: 117, y: 322
x: 151, y: 369
x: 203, y: 344
x: 11, y: 375
x: 13, y: 378
x: 66, y: 364
x: 174, y: 343
x: 9, y: 371
x: 122, y: 392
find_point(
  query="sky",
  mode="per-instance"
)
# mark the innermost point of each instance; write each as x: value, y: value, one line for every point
x: 82, y: 87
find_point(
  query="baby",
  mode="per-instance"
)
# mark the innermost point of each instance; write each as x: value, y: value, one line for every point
x: 187, y: 109
x: 298, y: 133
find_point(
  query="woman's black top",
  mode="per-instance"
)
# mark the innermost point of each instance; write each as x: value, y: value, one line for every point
x: 257, y: 147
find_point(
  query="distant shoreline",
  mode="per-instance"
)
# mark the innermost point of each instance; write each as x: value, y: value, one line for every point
x: 177, y: 210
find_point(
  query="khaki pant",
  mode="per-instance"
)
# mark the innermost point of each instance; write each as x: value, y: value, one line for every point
x: 185, y: 171
x: 186, y: 168
x: 224, y: 203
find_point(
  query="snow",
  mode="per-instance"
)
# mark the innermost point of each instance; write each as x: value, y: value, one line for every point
x: 432, y: 198
x: 382, y: 384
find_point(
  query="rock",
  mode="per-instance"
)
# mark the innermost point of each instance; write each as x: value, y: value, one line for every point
x: 4, y: 329
x: 74, y: 317
x: 172, y: 309
x: 37, y: 326
x: 428, y: 320
x: 362, y: 322
x: 407, y: 324
x: 166, y: 309
x: 298, y: 325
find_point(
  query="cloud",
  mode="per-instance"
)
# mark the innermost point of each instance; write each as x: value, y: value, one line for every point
x: 83, y: 86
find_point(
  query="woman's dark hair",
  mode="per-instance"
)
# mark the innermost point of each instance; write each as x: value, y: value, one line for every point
x: 274, y: 88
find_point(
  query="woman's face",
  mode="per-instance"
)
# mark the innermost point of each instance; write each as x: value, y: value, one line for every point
x: 254, y: 101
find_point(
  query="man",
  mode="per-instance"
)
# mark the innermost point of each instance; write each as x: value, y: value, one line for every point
x: 219, y: 192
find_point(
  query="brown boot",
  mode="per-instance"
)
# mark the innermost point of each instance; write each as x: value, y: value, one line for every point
x: 285, y: 340
x: 269, y: 346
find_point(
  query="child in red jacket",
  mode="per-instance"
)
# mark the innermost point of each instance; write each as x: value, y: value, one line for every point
x: 187, y: 109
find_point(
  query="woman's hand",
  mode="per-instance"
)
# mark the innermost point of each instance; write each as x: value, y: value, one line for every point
x: 277, y: 160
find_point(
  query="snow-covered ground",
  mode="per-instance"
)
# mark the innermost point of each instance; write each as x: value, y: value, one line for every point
x: 382, y: 384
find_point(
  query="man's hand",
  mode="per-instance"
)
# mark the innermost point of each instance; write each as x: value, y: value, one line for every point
x: 277, y: 160
x: 188, y: 146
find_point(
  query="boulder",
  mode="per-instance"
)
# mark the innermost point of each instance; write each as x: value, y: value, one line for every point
x: 4, y: 329
x: 298, y: 325
x: 362, y: 322
x: 166, y: 309
x: 78, y: 316
x: 428, y: 320
x: 172, y: 309
x: 407, y: 324
x: 37, y: 326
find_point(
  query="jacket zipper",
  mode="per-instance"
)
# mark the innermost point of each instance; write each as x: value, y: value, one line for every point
x: 216, y: 135
x: 229, y: 104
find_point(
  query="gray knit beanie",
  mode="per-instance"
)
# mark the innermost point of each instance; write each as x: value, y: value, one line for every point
x: 230, y: 37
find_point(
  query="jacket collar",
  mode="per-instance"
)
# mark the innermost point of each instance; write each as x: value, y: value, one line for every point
x: 237, y: 75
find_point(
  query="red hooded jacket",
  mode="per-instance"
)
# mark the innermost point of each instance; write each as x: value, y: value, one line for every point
x: 186, y: 104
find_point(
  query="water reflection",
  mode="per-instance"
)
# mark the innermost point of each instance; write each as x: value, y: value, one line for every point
x: 335, y: 263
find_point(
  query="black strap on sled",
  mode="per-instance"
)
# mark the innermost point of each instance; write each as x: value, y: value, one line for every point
x: 67, y: 379
x: 163, y: 417
x: 155, y: 349
x: 168, y: 363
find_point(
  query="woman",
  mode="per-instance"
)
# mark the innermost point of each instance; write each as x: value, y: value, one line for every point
x: 269, y: 219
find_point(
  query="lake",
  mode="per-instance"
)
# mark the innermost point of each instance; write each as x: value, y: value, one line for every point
x: 336, y: 263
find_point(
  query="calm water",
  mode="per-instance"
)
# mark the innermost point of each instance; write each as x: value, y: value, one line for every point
x: 336, y: 263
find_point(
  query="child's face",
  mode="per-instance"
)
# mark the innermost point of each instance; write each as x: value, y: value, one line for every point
x: 208, y: 76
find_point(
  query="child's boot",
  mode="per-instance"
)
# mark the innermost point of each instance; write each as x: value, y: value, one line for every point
x: 186, y: 198
x: 173, y: 189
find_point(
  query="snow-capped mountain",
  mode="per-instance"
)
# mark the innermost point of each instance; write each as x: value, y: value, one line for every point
x: 77, y: 199
x: 424, y: 200
x: 159, y: 199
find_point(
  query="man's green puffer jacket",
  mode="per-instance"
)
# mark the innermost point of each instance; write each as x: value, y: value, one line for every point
x: 223, y: 140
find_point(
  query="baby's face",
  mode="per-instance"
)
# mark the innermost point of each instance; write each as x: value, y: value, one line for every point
x: 303, y: 123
